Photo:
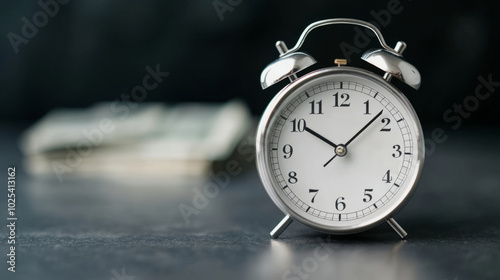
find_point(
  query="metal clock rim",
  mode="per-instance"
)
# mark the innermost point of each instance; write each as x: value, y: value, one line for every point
x: 262, y: 151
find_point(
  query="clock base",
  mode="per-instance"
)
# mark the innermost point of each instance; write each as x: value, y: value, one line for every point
x: 278, y: 230
x: 287, y: 220
x: 397, y: 228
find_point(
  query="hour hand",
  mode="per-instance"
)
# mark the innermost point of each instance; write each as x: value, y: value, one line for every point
x: 320, y: 137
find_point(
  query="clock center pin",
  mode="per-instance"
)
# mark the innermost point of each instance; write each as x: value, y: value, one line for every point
x: 341, y: 150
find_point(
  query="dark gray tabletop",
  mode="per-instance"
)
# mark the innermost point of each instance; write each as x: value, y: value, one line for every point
x: 132, y: 228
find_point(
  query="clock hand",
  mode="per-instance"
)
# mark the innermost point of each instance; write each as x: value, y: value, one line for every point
x: 330, y: 160
x: 354, y: 137
x: 321, y: 137
x: 364, y: 127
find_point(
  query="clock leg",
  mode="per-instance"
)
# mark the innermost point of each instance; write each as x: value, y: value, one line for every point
x: 278, y: 230
x: 397, y: 227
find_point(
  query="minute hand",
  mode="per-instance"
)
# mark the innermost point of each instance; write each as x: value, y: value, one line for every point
x: 364, y: 127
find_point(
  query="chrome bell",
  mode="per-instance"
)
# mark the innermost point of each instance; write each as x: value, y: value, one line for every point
x: 394, y: 65
x: 286, y: 66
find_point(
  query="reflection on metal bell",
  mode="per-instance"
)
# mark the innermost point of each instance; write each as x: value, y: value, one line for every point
x: 394, y: 65
x: 284, y: 67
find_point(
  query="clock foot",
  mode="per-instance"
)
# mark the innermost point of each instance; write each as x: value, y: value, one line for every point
x: 397, y: 227
x: 278, y: 230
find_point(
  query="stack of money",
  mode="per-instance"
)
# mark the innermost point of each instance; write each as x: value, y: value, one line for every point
x: 119, y: 139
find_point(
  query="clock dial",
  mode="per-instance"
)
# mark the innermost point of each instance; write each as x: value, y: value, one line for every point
x: 342, y: 150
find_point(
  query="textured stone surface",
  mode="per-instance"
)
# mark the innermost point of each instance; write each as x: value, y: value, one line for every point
x: 93, y: 228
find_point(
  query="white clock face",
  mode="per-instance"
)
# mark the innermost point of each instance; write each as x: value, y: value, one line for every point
x: 341, y: 150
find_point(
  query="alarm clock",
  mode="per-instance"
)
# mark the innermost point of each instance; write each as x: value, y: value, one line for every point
x: 340, y: 149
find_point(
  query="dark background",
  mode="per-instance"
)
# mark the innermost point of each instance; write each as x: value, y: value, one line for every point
x: 94, y: 51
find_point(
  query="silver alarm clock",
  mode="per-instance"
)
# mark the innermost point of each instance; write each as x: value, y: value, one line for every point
x: 340, y: 149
